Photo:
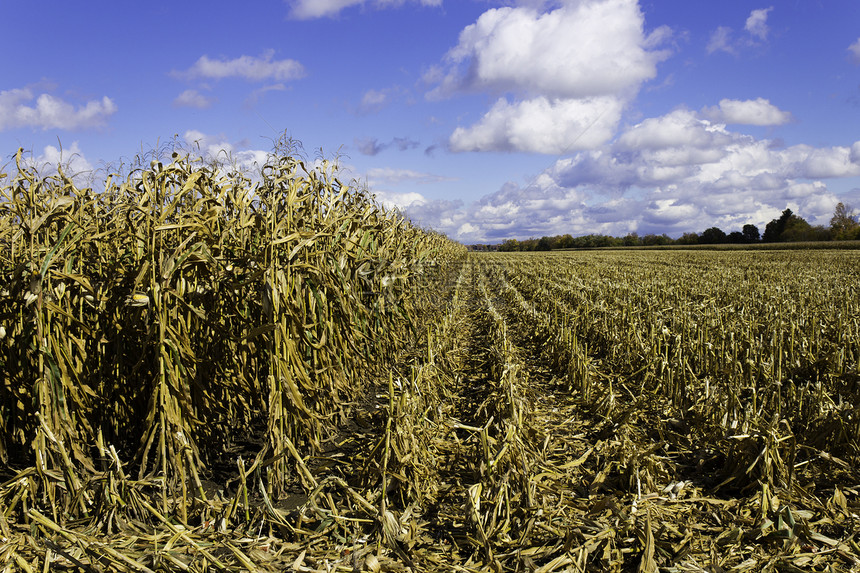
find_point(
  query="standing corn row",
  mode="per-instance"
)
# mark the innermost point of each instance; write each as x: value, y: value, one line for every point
x: 185, y: 306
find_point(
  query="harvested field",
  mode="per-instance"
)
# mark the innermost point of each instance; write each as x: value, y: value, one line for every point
x: 312, y: 384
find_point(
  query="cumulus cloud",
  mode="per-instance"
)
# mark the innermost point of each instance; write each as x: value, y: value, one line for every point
x: 18, y: 109
x: 72, y: 161
x: 675, y: 173
x: 582, y: 49
x: 249, y: 68
x: 219, y: 149
x: 680, y: 129
x: 748, y: 112
x: 541, y: 125
x: 565, y: 74
x: 311, y: 9
x: 440, y: 214
x: 394, y: 200
x: 192, y: 98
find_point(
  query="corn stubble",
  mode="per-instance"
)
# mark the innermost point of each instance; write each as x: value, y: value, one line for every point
x: 208, y: 371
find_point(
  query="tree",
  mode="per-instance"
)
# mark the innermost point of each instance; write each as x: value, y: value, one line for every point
x: 843, y: 224
x: 751, y: 234
x: 798, y: 229
x: 712, y: 236
x: 773, y: 230
x: 652, y: 239
x: 565, y: 242
x: 632, y: 240
x: 736, y: 237
x: 688, y: 239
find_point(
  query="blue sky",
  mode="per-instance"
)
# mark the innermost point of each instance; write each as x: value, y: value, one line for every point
x: 483, y: 119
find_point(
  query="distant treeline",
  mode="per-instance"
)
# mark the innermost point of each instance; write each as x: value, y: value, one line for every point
x: 789, y: 227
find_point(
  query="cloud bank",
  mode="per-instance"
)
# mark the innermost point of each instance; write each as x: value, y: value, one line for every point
x: 675, y: 173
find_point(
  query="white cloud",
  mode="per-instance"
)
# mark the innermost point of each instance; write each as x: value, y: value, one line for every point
x: 310, y: 9
x: 723, y: 39
x: 582, y: 49
x: 570, y: 72
x: 855, y: 50
x: 822, y: 162
x: 756, y: 23
x: 72, y: 161
x: 192, y: 98
x: 676, y: 173
x: 249, y: 68
x: 540, y: 125
x: 402, y: 201
x: 218, y: 149
x: 748, y: 112
x: 50, y: 112
x: 679, y: 129
x: 855, y: 152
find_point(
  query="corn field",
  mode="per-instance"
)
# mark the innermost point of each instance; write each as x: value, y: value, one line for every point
x: 205, y: 370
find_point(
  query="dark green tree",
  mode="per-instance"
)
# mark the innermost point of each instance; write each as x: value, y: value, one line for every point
x: 712, y: 236
x: 751, y: 234
x: 797, y: 229
x: 773, y: 231
x: 736, y: 238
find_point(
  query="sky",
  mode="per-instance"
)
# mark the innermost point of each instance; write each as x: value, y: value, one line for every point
x: 482, y: 119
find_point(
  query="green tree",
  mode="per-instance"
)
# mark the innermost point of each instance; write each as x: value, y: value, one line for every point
x: 751, y: 234
x: 844, y: 224
x: 632, y: 240
x: 736, y: 237
x: 544, y: 244
x: 712, y: 236
x: 565, y: 242
x: 773, y: 230
x: 688, y: 239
